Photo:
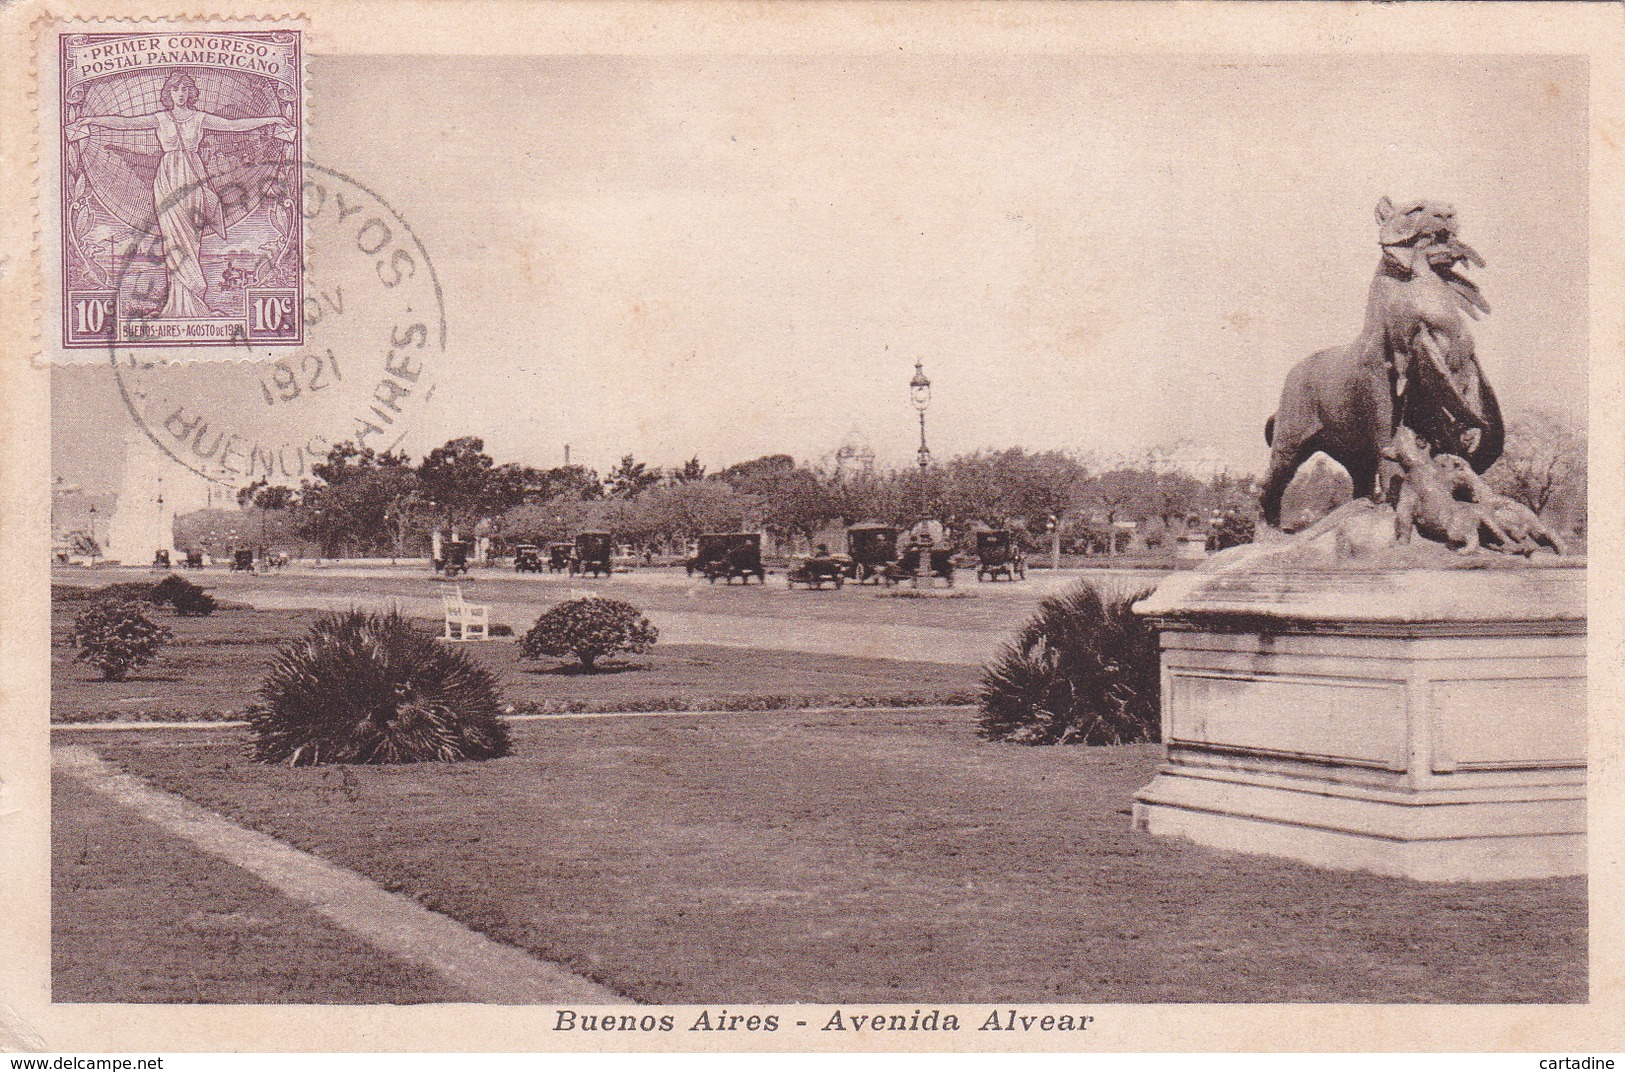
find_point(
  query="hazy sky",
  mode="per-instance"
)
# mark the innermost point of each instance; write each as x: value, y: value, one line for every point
x: 731, y: 256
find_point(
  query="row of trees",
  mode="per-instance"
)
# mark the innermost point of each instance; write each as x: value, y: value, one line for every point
x: 381, y: 503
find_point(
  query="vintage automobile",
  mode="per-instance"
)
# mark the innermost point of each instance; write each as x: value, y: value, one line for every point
x: 591, y: 554
x: 816, y: 570
x: 527, y: 558
x: 454, y: 557
x: 999, y: 555
x: 938, y: 562
x: 872, y: 547
x: 194, y: 560
x: 558, y: 556
x: 729, y: 555
x: 242, y: 558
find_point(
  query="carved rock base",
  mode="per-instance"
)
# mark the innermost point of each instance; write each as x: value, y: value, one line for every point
x: 1443, y: 744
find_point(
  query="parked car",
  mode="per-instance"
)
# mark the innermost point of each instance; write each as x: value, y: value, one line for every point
x: 591, y: 554
x: 729, y: 555
x: 872, y: 549
x: 817, y: 569
x: 998, y: 554
x: 559, y: 556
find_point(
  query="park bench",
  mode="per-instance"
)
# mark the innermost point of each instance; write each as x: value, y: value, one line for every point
x: 472, y: 620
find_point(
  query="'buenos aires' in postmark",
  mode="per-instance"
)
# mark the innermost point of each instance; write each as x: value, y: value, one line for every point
x: 180, y: 178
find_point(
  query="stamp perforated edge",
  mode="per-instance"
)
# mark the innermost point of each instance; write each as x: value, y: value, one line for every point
x: 43, y: 266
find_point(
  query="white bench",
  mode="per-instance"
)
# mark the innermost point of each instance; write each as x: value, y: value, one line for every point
x: 472, y: 620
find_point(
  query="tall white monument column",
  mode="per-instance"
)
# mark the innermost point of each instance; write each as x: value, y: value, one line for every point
x: 143, y: 520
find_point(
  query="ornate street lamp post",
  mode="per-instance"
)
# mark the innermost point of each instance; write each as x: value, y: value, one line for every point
x: 919, y: 392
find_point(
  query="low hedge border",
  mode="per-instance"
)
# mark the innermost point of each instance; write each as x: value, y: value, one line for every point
x: 586, y: 707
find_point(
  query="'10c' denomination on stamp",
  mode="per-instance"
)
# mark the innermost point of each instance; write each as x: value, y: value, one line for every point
x: 180, y: 179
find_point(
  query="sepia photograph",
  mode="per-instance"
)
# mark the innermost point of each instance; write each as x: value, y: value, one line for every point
x: 783, y: 547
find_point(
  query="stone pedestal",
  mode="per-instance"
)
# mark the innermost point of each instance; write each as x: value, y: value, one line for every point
x: 1425, y: 723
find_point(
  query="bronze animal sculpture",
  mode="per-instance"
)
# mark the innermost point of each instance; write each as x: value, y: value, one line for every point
x: 1522, y: 529
x: 1427, y: 502
x: 1413, y: 364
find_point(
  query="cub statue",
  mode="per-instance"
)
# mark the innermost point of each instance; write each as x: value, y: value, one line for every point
x: 1443, y: 499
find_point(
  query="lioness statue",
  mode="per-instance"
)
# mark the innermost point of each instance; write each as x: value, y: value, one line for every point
x: 1413, y: 365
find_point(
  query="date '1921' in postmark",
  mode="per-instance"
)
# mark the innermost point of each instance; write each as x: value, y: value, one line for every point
x: 181, y: 155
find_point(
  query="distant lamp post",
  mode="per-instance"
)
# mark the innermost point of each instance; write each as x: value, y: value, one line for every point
x: 919, y: 392
x: 95, y: 545
x: 1054, y: 527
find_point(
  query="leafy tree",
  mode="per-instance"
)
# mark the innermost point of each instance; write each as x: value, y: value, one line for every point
x: 556, y: 519
x: 1543, y: 464
x: 455, y: 479
x: 346, y: 460
x: 679, y: 512
x: 793, y: 500
x: 265, y: 497
x: 689, y: 472
x: 350, y: 503
x: 575, y: 481
x: 511, y: 484
x: 999, y: 486
x: 629, y: 478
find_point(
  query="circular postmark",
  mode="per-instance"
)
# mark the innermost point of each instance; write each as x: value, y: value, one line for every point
x: 374, y: 336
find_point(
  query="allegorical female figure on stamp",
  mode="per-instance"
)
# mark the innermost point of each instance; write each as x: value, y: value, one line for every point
x: 186, y: 205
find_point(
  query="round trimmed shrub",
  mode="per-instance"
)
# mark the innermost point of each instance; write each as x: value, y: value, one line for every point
x: 194, y: 602
x: 1083, y: 670
x: 589, y: 629
x: 171, y: 588
x: 188, y: 599
x: 364, y: 687
x: 116, y: 636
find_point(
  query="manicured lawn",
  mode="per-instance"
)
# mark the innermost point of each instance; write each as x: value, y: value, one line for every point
x: 216, y: 663
x: 990, y: 608
x: 140, y: 916
x: 868, y: 856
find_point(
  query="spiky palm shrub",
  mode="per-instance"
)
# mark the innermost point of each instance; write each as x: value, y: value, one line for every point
x: 589, y: 629
x: 1083, y: 670
x: 116, y: 636
x: 370, y: 688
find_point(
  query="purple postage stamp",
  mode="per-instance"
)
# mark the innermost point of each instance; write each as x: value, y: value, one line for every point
x: 180, y: 181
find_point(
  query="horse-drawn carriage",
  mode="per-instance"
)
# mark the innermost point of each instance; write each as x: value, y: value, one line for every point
x: 591, y: 554
x: 527, y: 558
x: 872, y: 547
x: 242, y: 558
x: 559, y: 556
x: 817, y: 569
x: 729, y: 555
x: 998, y: 554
